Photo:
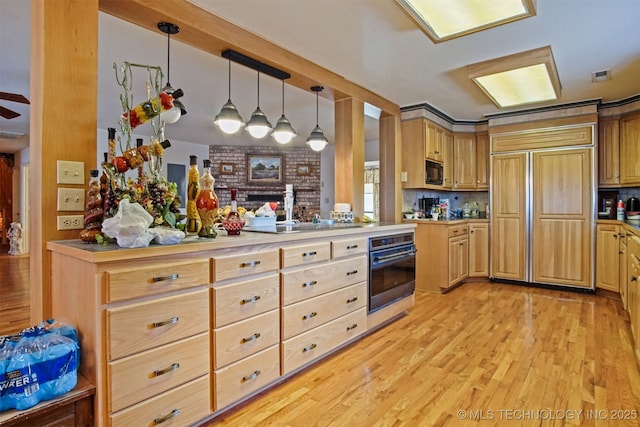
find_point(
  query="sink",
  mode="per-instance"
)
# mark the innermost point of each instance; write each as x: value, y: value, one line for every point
x: 300, y: 227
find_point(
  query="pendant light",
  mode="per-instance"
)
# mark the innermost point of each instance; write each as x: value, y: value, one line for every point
x: 229, y: 119
x: 258, y: 125
x: 317, y: 141
x: 283, y: 133
x: 174, y: 114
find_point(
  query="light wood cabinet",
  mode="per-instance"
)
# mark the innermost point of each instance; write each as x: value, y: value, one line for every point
x: 609, y: 153
x: 421, y: 140
x: 447, y: 161
x: 629, y: 143
x: 434, y: 142
x: 608, y: 257
x: 464, y: 160
x: 442, y: 256
x: 478, y: 249
x: 624, y: 262
x: 482, y: 161
x: 633, y: 279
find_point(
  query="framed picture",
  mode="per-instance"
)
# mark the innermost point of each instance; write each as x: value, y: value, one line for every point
x: 303, y: 170
x: 226, y: 168
x: 264, y: 169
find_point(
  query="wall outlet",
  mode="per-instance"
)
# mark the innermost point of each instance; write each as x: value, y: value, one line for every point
x: 71, y: 199
x: 70, y: 172
x: 70, y: 222
x: 403, y: 177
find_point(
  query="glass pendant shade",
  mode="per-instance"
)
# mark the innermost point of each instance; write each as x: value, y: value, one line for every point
x: 317, y: 141
x: 173, y: 115
x: 229, y: 119
x: 283, y: 133
x: 258, y: 125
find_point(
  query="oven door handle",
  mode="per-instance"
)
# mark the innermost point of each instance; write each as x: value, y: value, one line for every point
x: 393, y: 257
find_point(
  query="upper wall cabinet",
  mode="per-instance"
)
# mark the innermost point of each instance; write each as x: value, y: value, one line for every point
x: 618, y: 159
x: 434, y: 142
x: 629, y: 152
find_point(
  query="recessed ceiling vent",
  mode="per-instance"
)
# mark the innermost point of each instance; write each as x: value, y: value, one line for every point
x: 600, y: 76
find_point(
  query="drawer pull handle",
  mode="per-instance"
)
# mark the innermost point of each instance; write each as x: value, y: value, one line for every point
x: 349, y: 273
x: 312, y: 253
x: 167, y: 417
x: 173, y: 367
x: 171, y: 321
x: 174, y: 276
x: 350, y: 300
x: 253, y: 376
x: 355, y: 325
x: 309, y: 316
x: 251, y: 338
x: 309, y: 348
x: 249, y: 264
x: 250, y: 300
x: 352, y: 246
x: 309, y: 284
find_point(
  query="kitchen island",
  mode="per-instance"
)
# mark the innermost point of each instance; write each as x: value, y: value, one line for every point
x: 187, y: 331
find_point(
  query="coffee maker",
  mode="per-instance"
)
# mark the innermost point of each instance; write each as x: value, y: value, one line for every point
x: 607, y: 204
x: 426, y: 204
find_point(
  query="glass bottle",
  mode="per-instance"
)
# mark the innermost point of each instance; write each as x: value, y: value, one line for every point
x: 233, y: 223
x: 207, y: 203
x: 112, y: 145
x: 93, y: 212
x: 194, y: 224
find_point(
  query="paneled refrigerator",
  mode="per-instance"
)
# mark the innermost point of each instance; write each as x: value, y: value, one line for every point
x: 543, y: 214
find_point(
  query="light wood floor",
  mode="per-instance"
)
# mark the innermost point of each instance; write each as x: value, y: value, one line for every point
x: 482, y: 355
x: 14, y: 292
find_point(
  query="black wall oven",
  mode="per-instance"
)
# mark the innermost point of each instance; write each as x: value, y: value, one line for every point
x: 392, y: 269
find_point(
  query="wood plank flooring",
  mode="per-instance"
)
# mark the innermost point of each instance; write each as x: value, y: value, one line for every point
x: 14, y: 292
x: 482, y: 355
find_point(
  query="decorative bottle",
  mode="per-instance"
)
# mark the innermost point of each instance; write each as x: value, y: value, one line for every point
x: 233, y: 223
x: 207, y: 203
x: 93, y: 212
x: 194, y: 224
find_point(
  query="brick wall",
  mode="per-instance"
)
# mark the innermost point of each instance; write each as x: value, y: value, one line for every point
x: 306, y: 186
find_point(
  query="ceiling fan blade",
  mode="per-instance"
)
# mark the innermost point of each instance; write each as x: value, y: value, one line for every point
x: 8, y: 114
x: 14, y: 97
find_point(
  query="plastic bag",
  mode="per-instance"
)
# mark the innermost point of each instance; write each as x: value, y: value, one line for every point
x: 166, y: 236
x: 37, y: 364
x: 129, y: 226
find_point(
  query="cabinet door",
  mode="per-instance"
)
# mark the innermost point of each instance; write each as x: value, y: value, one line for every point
x: 464, y: 160
x: 609, y: 152
x: 508, y: 220
x: 413, y: 154
x: 622, y: 273
x: 434, y: 142
x: 607, y: 257
x: 478, y: 250
x: 629, y: 143
x: 482, y: 161
x: 458, y: 259
x: 447, y: 161
x: 562, y: 217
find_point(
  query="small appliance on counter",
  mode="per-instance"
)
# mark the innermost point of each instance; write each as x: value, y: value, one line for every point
x: 632, y: 209
x: 607, y: 204
x: 426, y: 205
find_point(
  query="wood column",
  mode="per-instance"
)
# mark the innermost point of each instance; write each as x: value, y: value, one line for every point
x: 349, y: 153
x: 63, y: 122
x: 390, y: 169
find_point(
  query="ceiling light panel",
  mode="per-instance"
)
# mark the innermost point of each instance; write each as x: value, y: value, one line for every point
x: 446, y: 19
x: 524, y: 78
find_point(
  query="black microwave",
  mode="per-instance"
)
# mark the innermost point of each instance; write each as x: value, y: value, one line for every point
x: 433, y: 173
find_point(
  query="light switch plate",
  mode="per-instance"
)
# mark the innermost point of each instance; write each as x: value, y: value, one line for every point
x: 71, y: 199
x: 403, y: 177
x: 70, y: 172
x: 70, y: 222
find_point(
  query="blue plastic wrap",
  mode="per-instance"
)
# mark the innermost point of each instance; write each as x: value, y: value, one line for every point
x: 37, y: 364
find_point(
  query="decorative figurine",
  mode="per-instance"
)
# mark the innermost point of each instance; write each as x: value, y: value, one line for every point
x: 15, y: 239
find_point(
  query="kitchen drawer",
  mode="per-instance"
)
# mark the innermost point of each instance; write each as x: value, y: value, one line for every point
x: 305, y: 315
x: 242, y: 339
x: 138, y: 377
x: 232, y: 266
x: 293, y: 256
x: 307, y: 347
x: 309, y: 282
x: 458, y: 230
x: 348, y: 247
x: 136, y: 327
x: 239, y: 379
x: 181, y: 406
x: 241, y: 300
x: 154, y: 278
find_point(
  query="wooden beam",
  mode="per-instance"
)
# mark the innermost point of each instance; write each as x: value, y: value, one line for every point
x: 349, y: 154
